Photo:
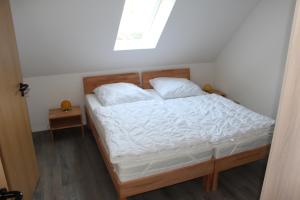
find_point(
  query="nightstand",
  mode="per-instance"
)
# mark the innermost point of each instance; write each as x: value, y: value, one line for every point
x: 214, y: 91
x: 59, y: 119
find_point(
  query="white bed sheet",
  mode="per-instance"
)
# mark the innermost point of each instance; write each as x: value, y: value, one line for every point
x: 149, y: 164
x: 149, y: 127
x: 215, y: 123
x: 155, y: 94
x: 233, y: 146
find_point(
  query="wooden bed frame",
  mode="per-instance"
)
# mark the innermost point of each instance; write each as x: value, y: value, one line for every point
x: 228, y: 162
x: 145, y: 184
x: 209, y: 169
x: 220, y: 164
x: 90, y: 83
x: 178, y: 73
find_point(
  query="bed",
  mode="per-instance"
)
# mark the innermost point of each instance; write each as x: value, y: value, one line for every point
x: 227, y: 154
x: 198, y: 157
x: 147, y: 183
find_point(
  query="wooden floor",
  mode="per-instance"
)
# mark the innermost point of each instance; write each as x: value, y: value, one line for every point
x: 71, y: 168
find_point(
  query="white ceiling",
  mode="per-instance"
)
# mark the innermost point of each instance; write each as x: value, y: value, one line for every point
x: 69, y: 36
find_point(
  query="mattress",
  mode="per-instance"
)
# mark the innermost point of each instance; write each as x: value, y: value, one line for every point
x: 149, y: 137
x: 149, y: 164
x: 255, y: 137
x: 234, y: 146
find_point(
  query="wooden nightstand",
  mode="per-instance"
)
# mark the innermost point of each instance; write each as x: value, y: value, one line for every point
x: 59, y: 119
x: 214, y: 91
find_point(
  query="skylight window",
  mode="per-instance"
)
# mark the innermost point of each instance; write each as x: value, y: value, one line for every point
x: 142, y: 23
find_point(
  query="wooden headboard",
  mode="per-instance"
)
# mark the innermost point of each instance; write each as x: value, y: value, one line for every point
x: 178, y: 73
x: 90, y: 83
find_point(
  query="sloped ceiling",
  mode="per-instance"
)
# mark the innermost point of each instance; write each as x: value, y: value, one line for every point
x: 70, y: 36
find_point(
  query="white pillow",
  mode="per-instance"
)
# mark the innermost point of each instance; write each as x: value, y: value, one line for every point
x: 170, y: 88
x: 118, y: 93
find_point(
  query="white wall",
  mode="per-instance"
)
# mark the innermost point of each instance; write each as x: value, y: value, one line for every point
x: 47, y: 91
x: 78, y: 36
x: 250, y: 67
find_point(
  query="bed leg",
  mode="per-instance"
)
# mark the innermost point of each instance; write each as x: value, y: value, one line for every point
x: 207, y: 182
x: 122, y: 198
x: 215, y: 179
x: 87, y: 120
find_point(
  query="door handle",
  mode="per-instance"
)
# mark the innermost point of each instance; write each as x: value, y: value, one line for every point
x: 4, y: 194
x: 24, y: 89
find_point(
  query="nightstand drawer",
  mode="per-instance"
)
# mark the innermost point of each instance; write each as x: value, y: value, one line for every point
x: 61, y: 123
x: 59, y: 119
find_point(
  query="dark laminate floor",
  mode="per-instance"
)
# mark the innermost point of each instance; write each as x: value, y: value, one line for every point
x: 72, y: 168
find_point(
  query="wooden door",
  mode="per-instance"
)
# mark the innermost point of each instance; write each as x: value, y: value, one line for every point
x: 16, y: 145
x: 282, y: 180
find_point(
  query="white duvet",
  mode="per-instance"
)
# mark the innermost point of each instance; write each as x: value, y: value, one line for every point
x: 148, y: 127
